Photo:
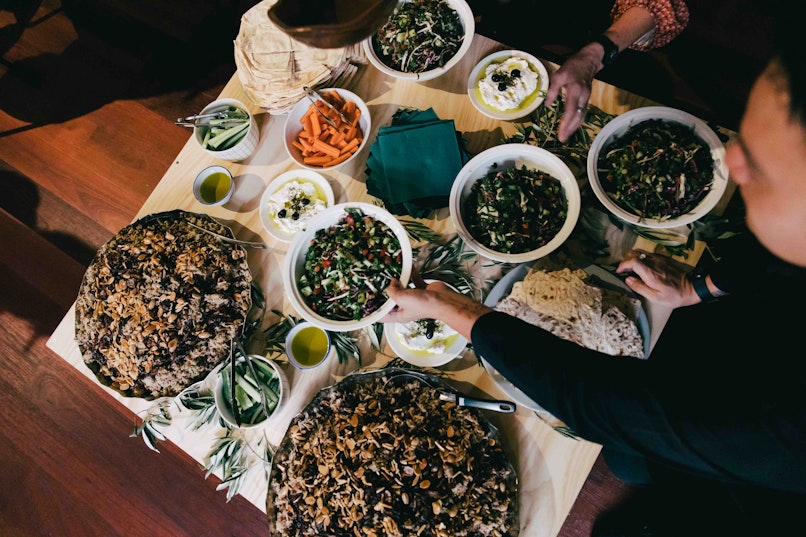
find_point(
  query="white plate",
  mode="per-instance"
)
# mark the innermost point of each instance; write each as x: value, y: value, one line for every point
x: 295, y: 260
x: 507, y: 156
x: 620, y: 124
x: 423, y: 358
x: 469, y: 23
x: 323, y: 188
x: 532, y: 101
x: 502, y: 289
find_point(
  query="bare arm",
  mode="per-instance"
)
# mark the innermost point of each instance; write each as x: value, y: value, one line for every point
x: 576, y: 74
x: 436, y: 301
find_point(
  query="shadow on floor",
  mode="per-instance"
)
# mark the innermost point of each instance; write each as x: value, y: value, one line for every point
x: 146, y: 49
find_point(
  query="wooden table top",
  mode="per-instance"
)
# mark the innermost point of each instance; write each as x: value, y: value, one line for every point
x: 551, y: 467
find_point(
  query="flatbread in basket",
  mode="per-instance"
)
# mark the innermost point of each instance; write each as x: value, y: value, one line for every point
x: 273, y: 68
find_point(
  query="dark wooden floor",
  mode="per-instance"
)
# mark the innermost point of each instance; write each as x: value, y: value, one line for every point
x: 88, y: 92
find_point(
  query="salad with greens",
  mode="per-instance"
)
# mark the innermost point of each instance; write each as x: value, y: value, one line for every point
x: 419, y: 35
x: 348, y: 266
x: 657, y: 169
x: 515, y: 210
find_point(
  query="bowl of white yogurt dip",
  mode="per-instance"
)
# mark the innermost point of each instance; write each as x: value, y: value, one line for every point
x: 425, y: 342
x: 508, y: 84
x: 291, y: 200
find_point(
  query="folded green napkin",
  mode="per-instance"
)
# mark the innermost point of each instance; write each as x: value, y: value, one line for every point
x: 413, y: 162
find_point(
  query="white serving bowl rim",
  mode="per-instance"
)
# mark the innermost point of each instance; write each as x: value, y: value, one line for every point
x: 300, y: 173
x: 295, y: 259
x: 221, y: 404
x: 506, y: 156
x: 481, y: 106
x: 620, y: 124
x: 469, y: 24
x: 293, y: 127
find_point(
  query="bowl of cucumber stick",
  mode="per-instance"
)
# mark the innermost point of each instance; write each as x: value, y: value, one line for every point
x: 225, y: 129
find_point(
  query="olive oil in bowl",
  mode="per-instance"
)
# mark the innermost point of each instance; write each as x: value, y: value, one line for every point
x: 213, y: 185
x: 307, y: 345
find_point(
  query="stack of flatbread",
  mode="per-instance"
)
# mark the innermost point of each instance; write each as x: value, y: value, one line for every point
x: 557, y: 296
x: 273, y: 68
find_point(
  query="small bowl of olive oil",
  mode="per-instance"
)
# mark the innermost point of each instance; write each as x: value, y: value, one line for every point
x: 307, y: 345
x: 213, y: 186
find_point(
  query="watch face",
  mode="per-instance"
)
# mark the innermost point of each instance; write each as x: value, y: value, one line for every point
x: 610, y: 49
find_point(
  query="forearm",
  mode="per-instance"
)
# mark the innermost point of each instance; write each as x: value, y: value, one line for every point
x: 458, y: 311
x: 669, y: 19
x: 630, y: 26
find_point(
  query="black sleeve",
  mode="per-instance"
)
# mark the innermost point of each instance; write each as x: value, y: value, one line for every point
x: 665, y: 409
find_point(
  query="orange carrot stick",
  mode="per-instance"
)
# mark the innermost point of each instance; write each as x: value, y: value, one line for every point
x: 350, y: 145
x: 326, y: 148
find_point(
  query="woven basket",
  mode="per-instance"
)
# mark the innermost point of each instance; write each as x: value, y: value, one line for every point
x: 273, y: 68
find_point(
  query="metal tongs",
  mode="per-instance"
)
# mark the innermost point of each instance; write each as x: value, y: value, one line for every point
x: 314, y: 97
x: 455, y: 397
x: 229, y: 239
x: 193, y: 121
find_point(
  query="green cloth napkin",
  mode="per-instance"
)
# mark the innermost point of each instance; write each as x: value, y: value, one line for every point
x: 413, y: 162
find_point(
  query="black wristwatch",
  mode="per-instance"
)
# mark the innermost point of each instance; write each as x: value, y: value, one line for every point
x: 610, y: 49
x: 701, y: 287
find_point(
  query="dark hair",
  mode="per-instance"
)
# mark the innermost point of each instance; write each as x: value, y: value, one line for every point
x: 791, y: 60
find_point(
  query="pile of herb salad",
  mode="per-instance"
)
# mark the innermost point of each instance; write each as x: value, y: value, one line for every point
x: 515, y: 210
x: 349, y: 265
x: 420, y: 35
x: 657, y: 169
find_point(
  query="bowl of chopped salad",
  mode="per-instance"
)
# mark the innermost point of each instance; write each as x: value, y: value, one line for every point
x: 337, y: 269
x: 422, y: 39
x: 657, y: 167
x: 515, y: 203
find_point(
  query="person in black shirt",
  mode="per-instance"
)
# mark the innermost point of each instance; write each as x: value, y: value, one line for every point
x: 712, y: 426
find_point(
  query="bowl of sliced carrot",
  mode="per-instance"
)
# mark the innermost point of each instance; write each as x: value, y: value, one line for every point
x: 318, y: 136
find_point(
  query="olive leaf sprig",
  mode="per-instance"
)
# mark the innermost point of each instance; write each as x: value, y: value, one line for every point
x: 542, y: 132
x: 230, y: 458
x: 156, y: 415
x: 449, y: 263
x: 420, y: 232
x: 201, y: 403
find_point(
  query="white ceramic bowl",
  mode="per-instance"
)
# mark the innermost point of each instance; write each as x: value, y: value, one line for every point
x: 222, y: 401
x: 468, y: 22
x: 530, y: 103
x: 422, y: 358
x: 243, y: 149
x: 323, y: 189
x: 293, y: 127
x: 504, y: 157
x: 298, y: 346
x: 213, y: 185
x: 619, y: 125
x: 295, y: 261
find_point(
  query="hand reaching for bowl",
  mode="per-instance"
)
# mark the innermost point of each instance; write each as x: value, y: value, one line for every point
x: 434, y: 301
x: 575, y: 76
